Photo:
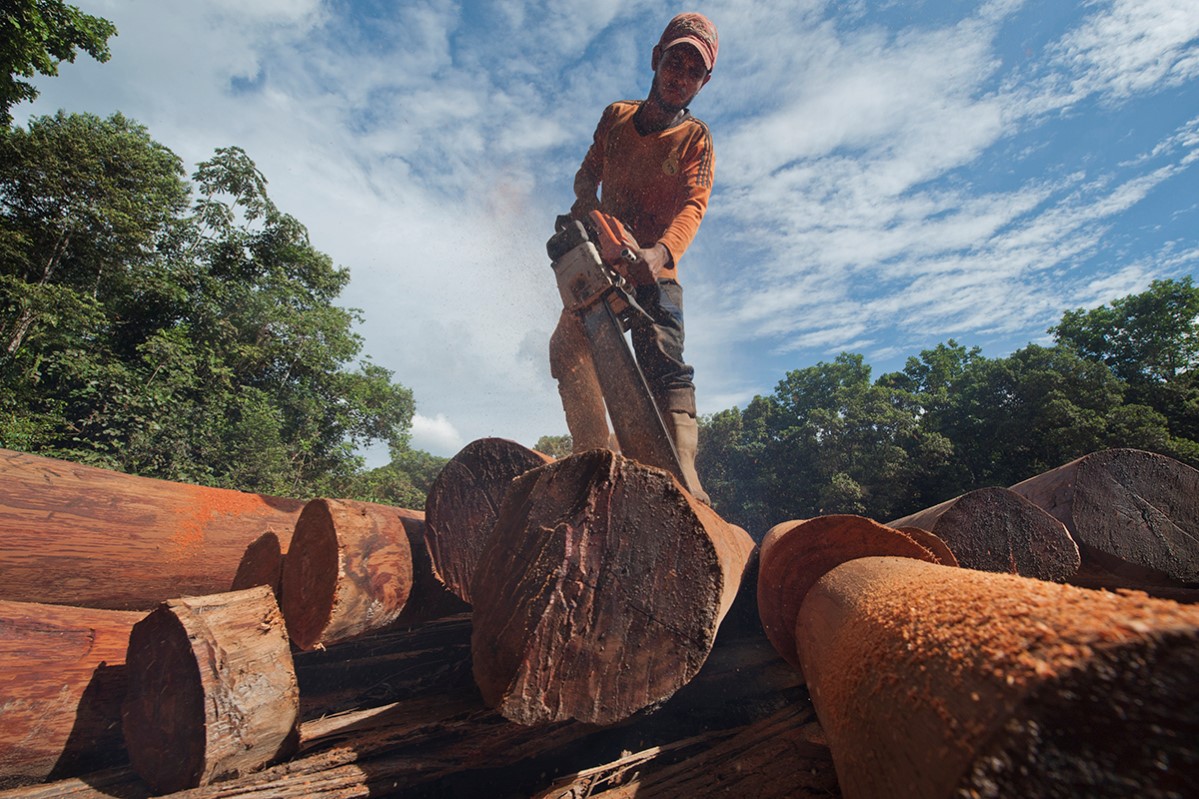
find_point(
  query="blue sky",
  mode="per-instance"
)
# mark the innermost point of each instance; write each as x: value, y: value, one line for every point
x: 889, y: 174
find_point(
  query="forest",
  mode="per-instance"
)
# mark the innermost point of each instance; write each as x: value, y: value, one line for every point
x: 185, y: 328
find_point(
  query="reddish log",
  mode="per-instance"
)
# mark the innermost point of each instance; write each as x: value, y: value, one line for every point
x: 600, y: 591
x: 62, y: 679
x: 464, y: 502
x: 997, y: 530
x: 261, y: 564
x: 939, y: 682
x: 212, y: 690
x: 795, y: 554
x: 348, y: 571
x: 1134, y: 514
x: 933, y: 543
x: 77, y: 535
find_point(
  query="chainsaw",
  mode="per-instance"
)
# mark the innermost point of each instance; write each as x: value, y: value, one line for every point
x: 596, y: 266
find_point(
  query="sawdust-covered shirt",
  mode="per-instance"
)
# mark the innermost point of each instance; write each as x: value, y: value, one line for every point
x: 658, y: 183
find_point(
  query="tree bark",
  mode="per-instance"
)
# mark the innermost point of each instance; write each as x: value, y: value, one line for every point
x: 348, y: 570
x: 77, y: 535
x: 997, y: 530
x: 1134, y: 514
x: 795, y: 554
x: 600, y: 591
x: 464, y: 503
x: 212, y: 690
x: 62, y: 679
x: 956, y: 682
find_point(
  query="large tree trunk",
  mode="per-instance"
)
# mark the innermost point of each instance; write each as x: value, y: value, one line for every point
x: 600, y: 591
x: 62, y: 679
x: 997, y: 530
x: 954, y: 682
x: 77, y: 535
x: 348, y: 571
x: 796, y: 554
x: 1134, y: 514
x: 212, y: 690
x: 464, y: 503
x: 261, y: 564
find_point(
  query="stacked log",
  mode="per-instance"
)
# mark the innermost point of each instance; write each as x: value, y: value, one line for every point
x: 600, y: 591
x: 464, y: 504
x: 62, y: 679
x: 1134, y: 514
x: 212, y: 690
x: 78, y: 535
x: 998, y: 530
x: 998, y: 685
x: 348, y: 570
x: 795, y: 554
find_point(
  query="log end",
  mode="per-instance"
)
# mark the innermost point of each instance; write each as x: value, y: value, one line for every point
x: 310, y: 575
x: 464, y: 503
x: 163, y: 714
x: 795, y: 554
x: 599, y: 593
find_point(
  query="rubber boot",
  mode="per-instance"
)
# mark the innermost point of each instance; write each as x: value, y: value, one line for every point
x: 578, y: 386
x: 685, y: 431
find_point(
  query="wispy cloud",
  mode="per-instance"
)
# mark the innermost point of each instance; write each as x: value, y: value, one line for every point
x: 888, y: 175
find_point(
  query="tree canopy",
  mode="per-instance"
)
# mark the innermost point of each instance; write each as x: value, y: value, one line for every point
x: 831, y: 440
x: 35, y: 37
x: 181, y: 330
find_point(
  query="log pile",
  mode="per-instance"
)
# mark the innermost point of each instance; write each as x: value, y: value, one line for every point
x: 584, y: 628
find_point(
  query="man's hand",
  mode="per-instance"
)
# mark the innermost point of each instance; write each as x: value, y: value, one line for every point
x: 651, y: 263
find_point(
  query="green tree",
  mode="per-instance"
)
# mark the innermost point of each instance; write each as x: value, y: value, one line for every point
x: 197, y: 342
x: 555, y: 446
x: 35, y: 37
x: 1151, y: 342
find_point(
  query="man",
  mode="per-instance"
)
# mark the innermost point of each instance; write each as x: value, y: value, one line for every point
x: 653, y: 163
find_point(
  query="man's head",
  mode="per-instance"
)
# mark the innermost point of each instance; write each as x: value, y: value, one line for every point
x: 683, y: 60
x: 691, y: 29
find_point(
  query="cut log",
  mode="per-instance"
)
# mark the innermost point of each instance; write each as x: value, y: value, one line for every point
x: 933, y: 543
x: 212, y: 690
x: 955, y: 682
x: 62, y: 679
x: 77, y: 535
x: 600, y: 591
x: 1134, y: 514
x: 261, y: 564
x: 464, y: 503
x: 997, y: 530
x: 348, y: 570
x: 795, y: 554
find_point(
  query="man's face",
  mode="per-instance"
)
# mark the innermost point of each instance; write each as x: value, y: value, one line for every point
x: 679, y: 76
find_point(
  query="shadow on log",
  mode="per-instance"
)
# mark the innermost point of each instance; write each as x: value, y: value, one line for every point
x: 464, y: 503
x: 62, y: 680
x: 955, y: 682
x: 261, y: 564
x: 77, y: 535
x: 997, y: 530
x: 1134, y: 514
x: 600, y: 591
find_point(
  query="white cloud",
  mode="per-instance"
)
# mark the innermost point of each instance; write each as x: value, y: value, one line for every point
x: 436, y: 435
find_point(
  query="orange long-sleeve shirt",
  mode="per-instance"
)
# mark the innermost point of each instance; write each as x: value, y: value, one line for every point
x: 657, y: 184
